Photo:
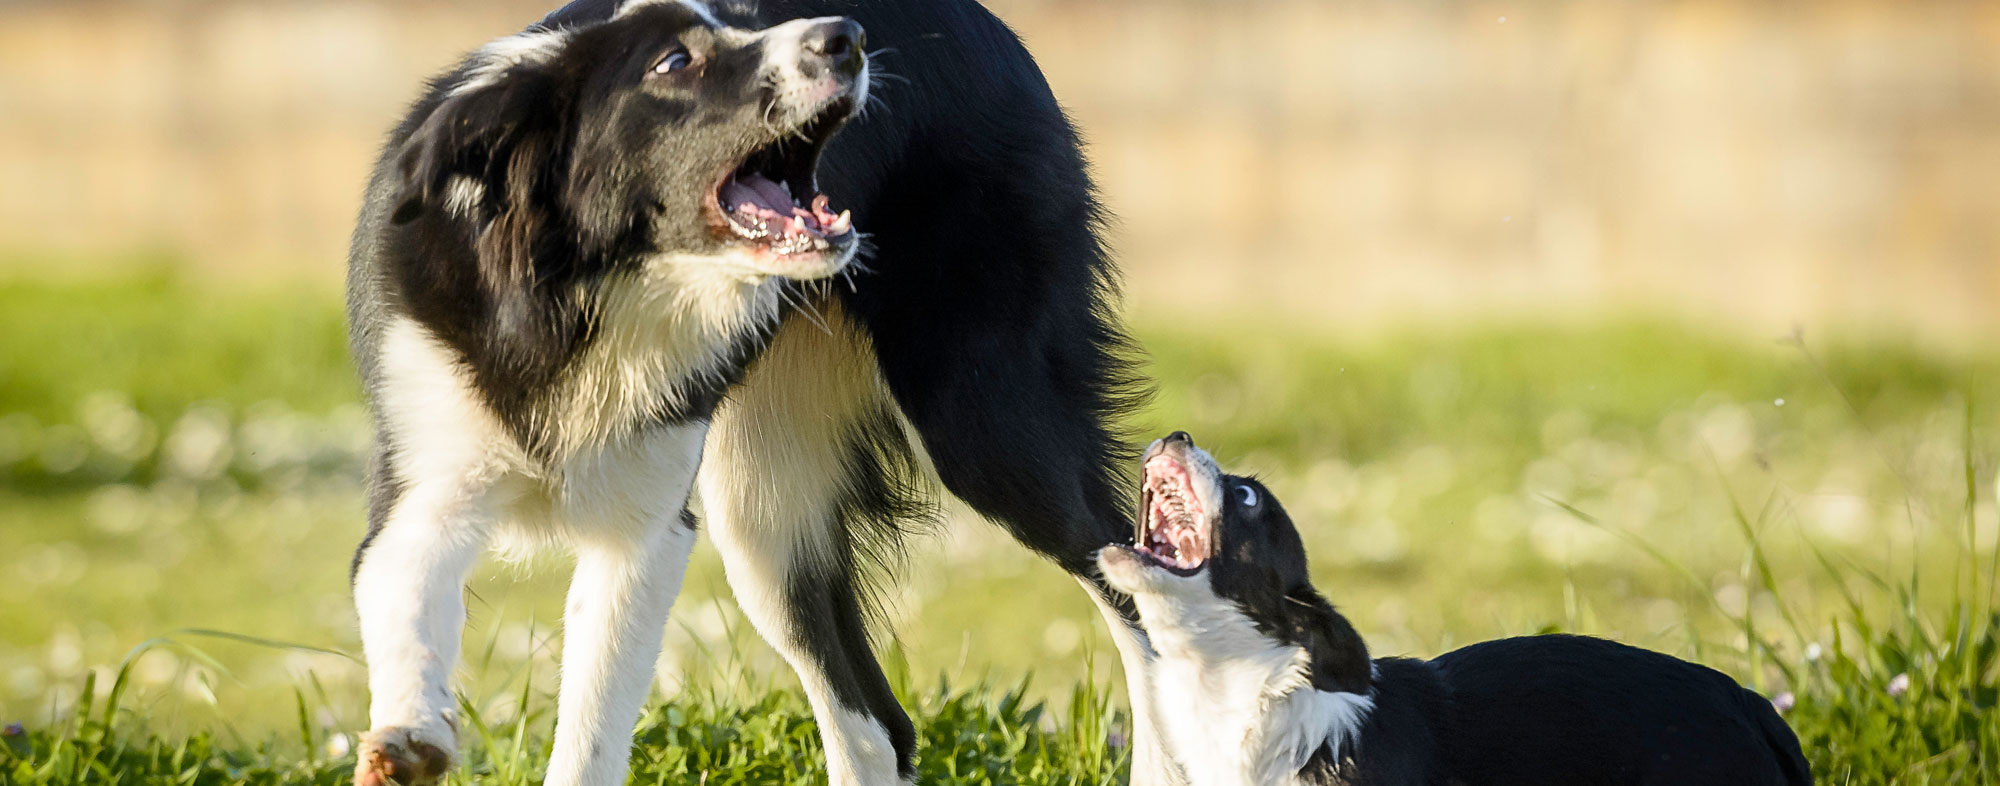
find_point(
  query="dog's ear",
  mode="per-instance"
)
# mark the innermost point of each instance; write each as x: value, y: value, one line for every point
x: 735, y: 9
x: 475, y: 134
x: 1339, y: 656
x: 494, y: 152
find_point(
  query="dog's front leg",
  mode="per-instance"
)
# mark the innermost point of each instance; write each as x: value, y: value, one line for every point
x: 612, y: 626
x: 627, y: 514
x: 409, y: 595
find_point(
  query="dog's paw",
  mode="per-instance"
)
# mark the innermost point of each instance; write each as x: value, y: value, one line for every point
x: 396, y: 756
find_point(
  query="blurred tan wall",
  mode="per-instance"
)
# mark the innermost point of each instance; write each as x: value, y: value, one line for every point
x: 1835, y: 164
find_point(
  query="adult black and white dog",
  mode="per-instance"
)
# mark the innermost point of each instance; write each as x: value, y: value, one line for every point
x: 605, y: 262
x: 1260, y: 682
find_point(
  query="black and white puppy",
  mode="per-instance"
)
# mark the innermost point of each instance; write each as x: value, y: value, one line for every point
x: 612, y: 259
x: 1259, y: 681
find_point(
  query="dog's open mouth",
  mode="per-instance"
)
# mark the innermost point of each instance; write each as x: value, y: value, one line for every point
x: 773, y: 197
x: 1173, y: 530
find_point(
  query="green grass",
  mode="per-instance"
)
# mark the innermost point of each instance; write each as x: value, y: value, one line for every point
x: 981, y: 735
x: 1814, y: 516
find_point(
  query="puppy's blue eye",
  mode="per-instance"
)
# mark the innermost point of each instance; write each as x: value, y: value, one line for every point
x: 1248, y: 495
x: 674, y: 61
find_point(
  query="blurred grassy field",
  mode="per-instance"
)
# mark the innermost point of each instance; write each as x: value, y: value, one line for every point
x: 174, y: 456
x: 1751, y: 162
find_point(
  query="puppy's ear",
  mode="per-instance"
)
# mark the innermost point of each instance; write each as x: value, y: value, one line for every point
x: 472, y: 133
x: 1339, y: 657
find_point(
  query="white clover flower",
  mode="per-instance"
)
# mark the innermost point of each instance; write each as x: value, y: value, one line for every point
x: 1899, y: 684
x: 1784, y: 702
x: 1812, y: 652
x: 338, y: 745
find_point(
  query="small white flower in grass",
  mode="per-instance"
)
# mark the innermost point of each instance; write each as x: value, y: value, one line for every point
x: 1784, y: 702
x: 1115, y: 740
x: 1778, y: 403
x: 338, y: 745
x: 1812, y: 652
x: 1899, y: 684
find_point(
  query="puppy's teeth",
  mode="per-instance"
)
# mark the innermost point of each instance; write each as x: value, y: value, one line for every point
x: 841, y: 223
x: 1185, y: 542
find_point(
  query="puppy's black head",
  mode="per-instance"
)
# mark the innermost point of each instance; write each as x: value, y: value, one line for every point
x: 660, y: 132
x: 1202, y: 534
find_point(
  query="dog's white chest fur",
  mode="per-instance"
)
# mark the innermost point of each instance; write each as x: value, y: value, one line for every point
x: 672, y: 321
x: 1236, y: 707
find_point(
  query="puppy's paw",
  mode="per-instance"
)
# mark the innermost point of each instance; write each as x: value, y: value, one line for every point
x: 396, y: 756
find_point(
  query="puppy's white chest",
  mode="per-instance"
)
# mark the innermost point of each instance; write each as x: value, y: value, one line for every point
x: 1208, y: 722
x: 1237, y: 708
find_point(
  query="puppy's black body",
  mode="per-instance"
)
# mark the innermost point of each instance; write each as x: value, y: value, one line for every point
x: 1219, y: 576
x: 1554, y: 710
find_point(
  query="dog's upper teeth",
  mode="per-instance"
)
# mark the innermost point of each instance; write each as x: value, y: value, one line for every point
x: 1186, y: 542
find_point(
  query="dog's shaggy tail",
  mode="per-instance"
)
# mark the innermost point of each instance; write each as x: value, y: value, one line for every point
x: 889, y: 500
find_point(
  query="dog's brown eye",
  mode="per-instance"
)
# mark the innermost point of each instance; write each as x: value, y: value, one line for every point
x: 1248, y: 495
x: 674, y: 61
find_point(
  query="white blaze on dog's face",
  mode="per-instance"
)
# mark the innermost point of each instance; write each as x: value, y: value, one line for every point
x: 664, y: 133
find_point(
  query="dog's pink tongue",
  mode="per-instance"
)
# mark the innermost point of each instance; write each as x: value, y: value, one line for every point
x: 757, y: 190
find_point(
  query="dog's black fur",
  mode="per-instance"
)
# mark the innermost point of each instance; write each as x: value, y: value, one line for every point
x: 984, y: 291
x: 1551, y: 710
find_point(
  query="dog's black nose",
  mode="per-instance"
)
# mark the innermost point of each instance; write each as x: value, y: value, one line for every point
x: 840, y: 42
x: 1180, y: 437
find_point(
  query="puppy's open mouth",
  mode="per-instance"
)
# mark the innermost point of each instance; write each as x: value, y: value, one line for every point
x: 1173, y: 530
x: 773, y: 198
